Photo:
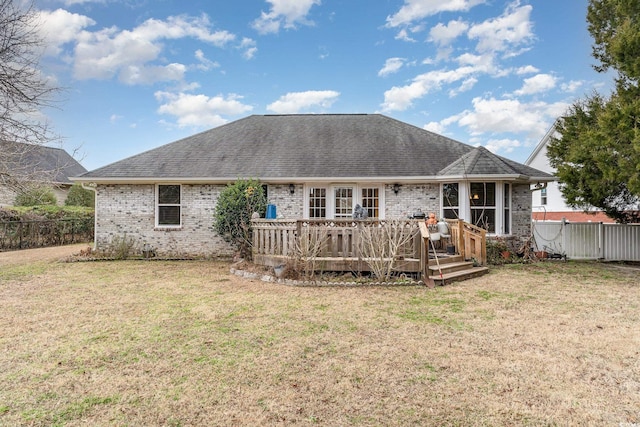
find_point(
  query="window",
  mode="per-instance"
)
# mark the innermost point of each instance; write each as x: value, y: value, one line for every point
x: 337, y: 201
x: 482, y: 199
x: 543, y: 196
x: 168, y: 212
x: 343, y: 197
x: 507, y: 209
x: 371, y: 201
x: 450, y: 201
x: 317, y: 203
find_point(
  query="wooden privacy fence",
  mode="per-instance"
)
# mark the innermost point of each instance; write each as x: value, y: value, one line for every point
x: 588, y: 240
x: 42, y: 233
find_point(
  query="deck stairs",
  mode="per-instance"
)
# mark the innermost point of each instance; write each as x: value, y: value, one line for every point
x: 454, y: 269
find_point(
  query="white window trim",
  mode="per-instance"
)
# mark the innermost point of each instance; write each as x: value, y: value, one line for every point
x: 157, y: 207
x: 357, y: 196
x: 464, y: 207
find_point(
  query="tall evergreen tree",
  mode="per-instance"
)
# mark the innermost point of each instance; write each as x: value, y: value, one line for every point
x: 597, y: 153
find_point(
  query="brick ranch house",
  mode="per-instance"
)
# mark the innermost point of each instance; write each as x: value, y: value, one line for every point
x: 22, y: 165
x: 313, y: 166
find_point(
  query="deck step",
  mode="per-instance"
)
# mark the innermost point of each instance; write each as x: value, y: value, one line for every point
x: 449, y: 267
x: 459, y: 275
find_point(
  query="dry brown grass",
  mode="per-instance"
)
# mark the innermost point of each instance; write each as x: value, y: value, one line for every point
x: 186, y: 343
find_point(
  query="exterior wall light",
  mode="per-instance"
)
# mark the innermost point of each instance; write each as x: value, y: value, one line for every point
x: 396, y: 188
x: 292, y: 188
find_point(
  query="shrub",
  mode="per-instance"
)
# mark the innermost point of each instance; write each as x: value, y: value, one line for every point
x: 80, y: 196
x: 232, y: 216
x: 35, y: 196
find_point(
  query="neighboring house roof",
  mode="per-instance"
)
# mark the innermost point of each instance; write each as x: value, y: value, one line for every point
x: 38, y: 163
x: 285, y: 148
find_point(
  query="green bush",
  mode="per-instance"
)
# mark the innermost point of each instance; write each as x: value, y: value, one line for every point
x: 27, y: 213
x: 80, y: 196
x: 232, y: 216
x: 35, y: 196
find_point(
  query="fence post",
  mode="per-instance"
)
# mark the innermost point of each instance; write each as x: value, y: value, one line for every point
x: 601, y: 243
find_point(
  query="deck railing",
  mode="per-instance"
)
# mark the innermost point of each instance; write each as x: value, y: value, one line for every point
x: 275, y: 240
x: 470, y: 241
x: 337, y: 244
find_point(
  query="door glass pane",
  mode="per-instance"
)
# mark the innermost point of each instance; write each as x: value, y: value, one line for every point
x: 343, y: 197
x: 371, y: 202
x: 317, y: 203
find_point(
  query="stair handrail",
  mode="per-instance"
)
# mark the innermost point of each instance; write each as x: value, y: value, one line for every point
x: 470, y: 240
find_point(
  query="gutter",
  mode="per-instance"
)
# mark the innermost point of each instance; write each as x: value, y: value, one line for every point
x: 91, y: 186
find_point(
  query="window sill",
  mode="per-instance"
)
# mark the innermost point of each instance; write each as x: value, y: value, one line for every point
x: 167, y: 228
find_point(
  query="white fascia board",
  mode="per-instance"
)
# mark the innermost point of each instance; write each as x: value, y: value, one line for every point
x: 288, y: 180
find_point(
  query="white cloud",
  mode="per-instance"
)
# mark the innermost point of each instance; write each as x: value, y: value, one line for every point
x: 72, y: 2
x: 445, y: 34
x: 249, y: 46
x: 205, y: 63
x: 572, y: 86
x: 391, y: 65
x: 401, y: 98
x: 500, y: 34
x: 504, y: 145
x: 295, y: 102
x: 415, y: 10
x: 536, y: 84
x: 127, y: 54
x: 435, y: 127
x: 466, y: 85
x: 284, y: 13
x: 404, y: 36
x: 61, y: 27
x: 527, y: 69
x: 200, y: 110
x: 490, y: 115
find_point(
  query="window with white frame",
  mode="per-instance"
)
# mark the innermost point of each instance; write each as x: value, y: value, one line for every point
x: 506, y: 220
x: 543, y: 196
x: 317, y: 203
x: 371, y: 201
x: 168, y: 206
x: 343, y: 202
x: 337, y: 201
x: 482, y: 201
x: 451, y: 201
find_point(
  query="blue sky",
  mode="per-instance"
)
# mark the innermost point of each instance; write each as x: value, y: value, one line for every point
x: 140, y: 73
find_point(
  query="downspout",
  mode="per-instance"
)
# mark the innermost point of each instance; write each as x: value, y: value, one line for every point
x: 539, y: 187
x: 92, y: 187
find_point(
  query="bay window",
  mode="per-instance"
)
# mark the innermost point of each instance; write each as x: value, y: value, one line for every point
x: 482, y: 200
x: 451, y: 201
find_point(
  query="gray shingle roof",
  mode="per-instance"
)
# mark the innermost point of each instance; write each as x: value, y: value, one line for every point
x: 37, y: 162
x: 481, y: 161
x: 297, y: 147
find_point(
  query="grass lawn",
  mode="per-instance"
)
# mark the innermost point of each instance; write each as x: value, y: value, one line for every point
x: 134, y: 343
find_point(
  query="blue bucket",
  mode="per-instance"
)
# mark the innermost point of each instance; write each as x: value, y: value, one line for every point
x: 271, y: 212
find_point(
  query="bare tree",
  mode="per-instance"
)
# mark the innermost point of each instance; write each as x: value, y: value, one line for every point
x: 382, y: 245
x: 24, y: 91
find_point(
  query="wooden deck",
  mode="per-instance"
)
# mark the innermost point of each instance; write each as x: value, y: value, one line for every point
x: 342, y: 245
